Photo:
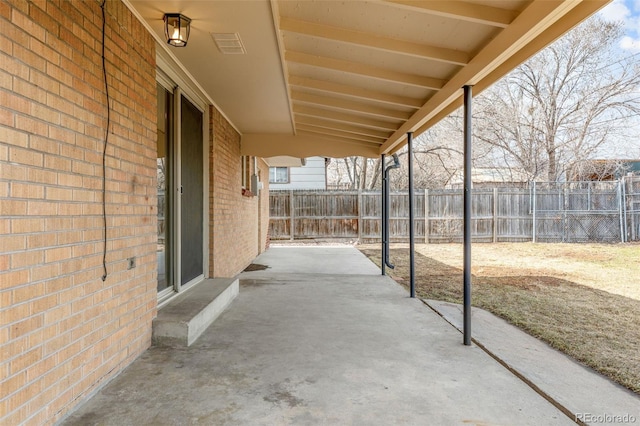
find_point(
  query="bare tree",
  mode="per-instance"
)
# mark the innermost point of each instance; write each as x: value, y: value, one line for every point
x: 437, y: 157
x: 354, y: 173
x: 563, y: 104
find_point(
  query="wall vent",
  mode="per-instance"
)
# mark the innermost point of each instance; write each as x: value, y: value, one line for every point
x: 229, y: 43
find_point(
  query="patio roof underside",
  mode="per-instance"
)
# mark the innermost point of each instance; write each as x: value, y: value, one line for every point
x: 341, y: 78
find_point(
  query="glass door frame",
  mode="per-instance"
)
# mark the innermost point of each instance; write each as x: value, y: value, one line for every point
x: 169, y: 78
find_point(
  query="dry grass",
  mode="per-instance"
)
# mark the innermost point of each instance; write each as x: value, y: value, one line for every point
x: 552, y: 291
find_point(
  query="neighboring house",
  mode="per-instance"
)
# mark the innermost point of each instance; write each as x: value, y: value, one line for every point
x: 490, y: 177
x: 602, y: 170
x: 311, y: 175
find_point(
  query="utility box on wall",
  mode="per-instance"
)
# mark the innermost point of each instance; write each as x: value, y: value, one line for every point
x: 256, y: 185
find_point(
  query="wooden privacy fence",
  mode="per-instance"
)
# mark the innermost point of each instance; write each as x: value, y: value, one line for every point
x: 544, y: 212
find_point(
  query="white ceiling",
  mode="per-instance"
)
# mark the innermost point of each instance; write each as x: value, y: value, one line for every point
x: 338, y: 78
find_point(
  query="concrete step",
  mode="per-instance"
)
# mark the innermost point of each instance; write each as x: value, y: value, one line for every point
x: 182, y: 320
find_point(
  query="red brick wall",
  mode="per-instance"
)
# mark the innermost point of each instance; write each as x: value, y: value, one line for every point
x: 235, y: 238
x: 63, y: 331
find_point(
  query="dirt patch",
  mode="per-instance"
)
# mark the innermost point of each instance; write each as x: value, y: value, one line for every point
x: 595, y: 327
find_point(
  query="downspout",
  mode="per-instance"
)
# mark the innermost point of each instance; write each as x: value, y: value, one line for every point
x: 385, y: 212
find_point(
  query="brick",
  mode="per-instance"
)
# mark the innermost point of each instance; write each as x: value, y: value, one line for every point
x: 44, y: 51
x: 25, y: 360
x: 6, y: 79
x: 13, y: 383
x: 24, y: 327
x: 22, y: 21
x: 60, y: 134
x: 39, y: 14
x: 44, y: 272
x: 7, y: 118
x: 30, y: 91
x: 4, y: 153
x: 57, y: 223
x: 42, y: 208
x: 48, y: 115
x: 40, y: 240
x: 57, y: 163
x: 5, y: 10
x: 70, y: 237
x: 24, y: 190
x: 24, y: 156
x: 58, y: 74
x: 59, y: 285
x: 69, y: 179
x: 11, y: 243
x: 25, y: 55
x: 57, y: 193
x: 45, y: 145
x: 12, y: 136
x: 5, y: 300
x: 83, y: 168
x: 57, y: 254
x: 13, y: 208
x: 31, y: 125
x: 45, y: 82
x: 26, y: 258
x: 70, y: 209
x: 43, y: 176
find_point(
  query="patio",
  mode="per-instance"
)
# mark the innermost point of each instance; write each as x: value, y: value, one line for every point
x: 320, y: 337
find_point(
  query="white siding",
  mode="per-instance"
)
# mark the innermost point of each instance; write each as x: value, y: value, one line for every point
x: 309, y: 176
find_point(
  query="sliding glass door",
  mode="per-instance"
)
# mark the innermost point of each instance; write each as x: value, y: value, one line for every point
x: 191, y: 192
x: 180, y: 186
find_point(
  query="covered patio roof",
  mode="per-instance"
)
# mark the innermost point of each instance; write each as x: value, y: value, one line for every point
x: 341, y: 78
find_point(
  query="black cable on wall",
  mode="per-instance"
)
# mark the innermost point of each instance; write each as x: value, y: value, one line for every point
x: 104, y: 150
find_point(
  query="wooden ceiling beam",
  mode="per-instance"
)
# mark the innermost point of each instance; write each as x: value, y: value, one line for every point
x: 462, y: 10
x: 365, y: 70
x: 374, y: 41
x: 337, y: 133
x: 345, y: 118
x: 349, y: 106
x: 343, y: 127
x: 354, y: 92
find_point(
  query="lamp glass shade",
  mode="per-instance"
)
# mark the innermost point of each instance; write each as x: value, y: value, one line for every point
x: 176, y: 29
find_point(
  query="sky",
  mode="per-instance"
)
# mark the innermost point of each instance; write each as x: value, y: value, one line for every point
x: 627, y: 11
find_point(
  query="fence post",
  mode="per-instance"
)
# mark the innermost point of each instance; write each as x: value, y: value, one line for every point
x: 495, y: 215
x: 533, y: 207
x: 621, y: 211
x: 631, y: 207
x: 426, y: 216
x: 565, y: 206
x: 623, y: 181
x: 291, y: 215
x: 359, y: 208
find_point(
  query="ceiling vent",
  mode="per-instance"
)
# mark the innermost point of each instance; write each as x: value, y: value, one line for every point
x: 229, y: 43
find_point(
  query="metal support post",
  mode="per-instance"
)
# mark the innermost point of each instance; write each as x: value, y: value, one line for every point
x: 412, y: 283
x: 383, y: 216
x: 467, y: 216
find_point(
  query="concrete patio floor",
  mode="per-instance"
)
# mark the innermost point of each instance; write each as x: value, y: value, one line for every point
x: 320, y: 337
